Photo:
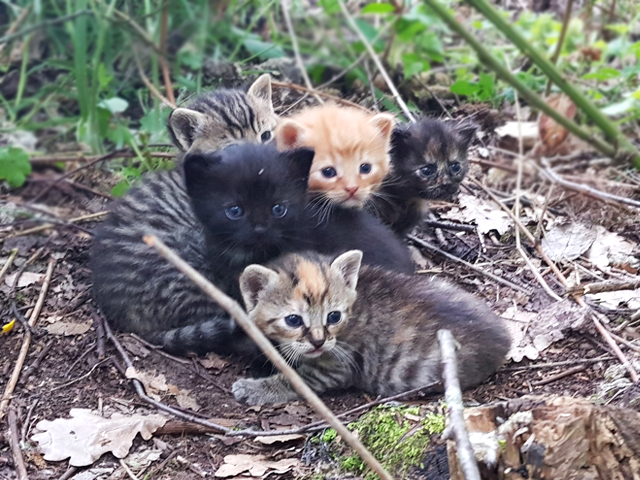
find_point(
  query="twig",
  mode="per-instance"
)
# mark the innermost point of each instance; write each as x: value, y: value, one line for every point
x: 376, y: 60
x: 285, y: 6
x: 433, y: 248
x: 126, y: 468
x: 69, y: 473
x: 460, y: 227
x: 118, y: 154
x: 300, y: 88
x: 25, y: 425
x: 13, y: 381
x: 238, y: 314
x: 21, y: 469
x: 12, y: 29
x: 36, y: 363
x: 611, y: 342
x: 561, y: 375
x: 558, y: 364
x: 158, y: 349
x: 556, y: 55
x: 149, y: 84
x: 606, y: 286
x: 163, y: 56
x: 586, y: 189
x: 453, y: 397
x: 98, y: 324
x: 7, y: 265
x: 627, y: 343
x: 46, y: 226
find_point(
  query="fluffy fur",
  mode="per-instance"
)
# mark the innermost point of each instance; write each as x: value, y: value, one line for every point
x: 429, y: 160
x: 344, y: 326
x: 222, y: 117
x: 351, y: 150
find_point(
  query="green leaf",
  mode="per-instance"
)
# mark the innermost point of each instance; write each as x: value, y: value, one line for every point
x: 462, y: 87
x: 619, y: 108
x: 413, y: 63
x: 104, y: 79
x: 378, y: 8
x: 602, y: 74
x: 114, y: 105
x: 131, y: 172
x: 264, y: 50
x: 636, y: 94
x: 486, y: 86
x: 330, y: 6
x: 120, y: 188
x: 408, y: 29
x: 14, y: 166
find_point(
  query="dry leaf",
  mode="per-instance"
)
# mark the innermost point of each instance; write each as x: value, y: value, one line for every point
x: 153, y: 384
x: 485, y: 215
x: 187, y: 401
x: 611, y: 249
x: 213, y: 362
x: 271, y: 439
x: 86, y: 436
x: 26, y: 279
x: 627, y: 298
x: 567, y: 242
x: 253, y: 465
x: 552, y: 134
x: 511, y: 131
x: 68, y: 328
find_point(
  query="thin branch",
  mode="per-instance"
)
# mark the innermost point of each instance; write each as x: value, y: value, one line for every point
x: 587, y: 190
x: 150, y: 84
x: 559, y: 376
x: 26, y: 341
x: 433, y: 248
x: 124, y: 153
x: 163, y: 56
x: 453, y: 397
x: 606, y: 286
x: 254, y: 333
x: 285, y: 6
x: 18, y: 461
x: 12, y: 29
x: 394, y: 91
x: 7, y: 265
x: 563, y: 33
x: 46, y: 226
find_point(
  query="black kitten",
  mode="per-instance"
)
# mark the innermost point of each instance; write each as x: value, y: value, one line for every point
x: 429, y: 161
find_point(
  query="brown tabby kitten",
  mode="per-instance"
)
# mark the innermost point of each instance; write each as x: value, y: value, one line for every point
x: 352, y: 151
x: 346, y: 326
x: 429, y: 161
x: 224, y: 116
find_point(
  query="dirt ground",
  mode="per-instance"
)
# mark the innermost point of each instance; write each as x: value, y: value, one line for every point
x: 64, y: 368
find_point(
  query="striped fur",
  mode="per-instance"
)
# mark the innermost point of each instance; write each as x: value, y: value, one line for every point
x: 385, y: 341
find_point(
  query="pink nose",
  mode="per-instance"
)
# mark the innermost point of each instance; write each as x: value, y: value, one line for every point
x: 351, y: 191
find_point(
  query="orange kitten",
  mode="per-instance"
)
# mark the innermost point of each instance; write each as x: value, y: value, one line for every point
x: 351, y: 148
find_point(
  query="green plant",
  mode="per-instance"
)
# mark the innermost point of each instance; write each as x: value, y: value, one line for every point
x: 14, y: 166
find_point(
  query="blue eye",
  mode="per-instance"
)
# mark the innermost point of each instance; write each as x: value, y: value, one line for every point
x: 294, y: 321
x: 234, y: 213
x: 266, y: 136
x: 333, y: 318
x: 455, y: 167
x: 365, y: 168
x: 429, y: 170
x: 279, y: 210
x: 329, y: 172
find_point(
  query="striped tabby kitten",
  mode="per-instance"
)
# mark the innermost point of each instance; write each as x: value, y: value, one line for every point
x: 224, y: 116
x: 429, y: 160
x: 346, y: 326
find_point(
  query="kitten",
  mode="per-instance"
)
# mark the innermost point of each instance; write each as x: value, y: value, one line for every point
x: 429, y: 160
x: 345, y: 326
x: 225, y: 116
x: 351, y: 149
x: 240, y: 205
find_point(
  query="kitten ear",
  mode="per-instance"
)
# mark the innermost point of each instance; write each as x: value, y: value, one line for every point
x: 261, y: 90
x: 384, y: 122
x: 253, y: 281
x: 289, y: 134
x: 197, y: 168
x: 399, y: 137
x: 467, y: 132
x: 301, y: 160
x: 183, y: 125
x: 348, y: 265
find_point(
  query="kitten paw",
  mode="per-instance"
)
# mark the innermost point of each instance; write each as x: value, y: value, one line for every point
x: 249, y: 391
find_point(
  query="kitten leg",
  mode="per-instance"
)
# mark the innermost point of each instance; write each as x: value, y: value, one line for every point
x: 277, y: 389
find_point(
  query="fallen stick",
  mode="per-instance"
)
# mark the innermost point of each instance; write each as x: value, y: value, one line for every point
x: 237, y: 313
x: 599, y: 287
x: 561, y: 375
x: 46, y: 226
x: 7, y: 265
x: 13, y: 380
x: 18, y: 461
x: 453, y: 397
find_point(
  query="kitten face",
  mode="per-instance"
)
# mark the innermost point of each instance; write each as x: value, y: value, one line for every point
x: 250, y: 198
x: 223, y: 117
x: 303, y: 304
x: 351, y: 150
x: 430, y: 158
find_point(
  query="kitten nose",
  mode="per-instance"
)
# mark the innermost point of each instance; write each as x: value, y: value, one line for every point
x: 260, y: 228
x: 351, y: 191
x: 316, y: 342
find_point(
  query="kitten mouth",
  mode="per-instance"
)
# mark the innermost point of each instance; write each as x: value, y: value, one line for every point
x: 352, y: 202
x: 316, y: 352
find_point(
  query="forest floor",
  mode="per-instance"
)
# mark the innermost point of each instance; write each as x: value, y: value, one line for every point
x: 71, y: 365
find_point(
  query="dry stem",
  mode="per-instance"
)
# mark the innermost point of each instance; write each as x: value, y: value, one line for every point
x: 238, y: 314
x: 606, y: 286
x: 13, y: 381
x: 46, y: 226
x: 7, y: 265
x: 21, y: 469
x: 453, y: 397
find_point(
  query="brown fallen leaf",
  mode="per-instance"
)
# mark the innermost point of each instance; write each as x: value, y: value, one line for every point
x: 563, y: 243
x: 271, y: 439
x: 253, y: 465
x: 85, y: 436
x: 26, y: 279
x: 68, y: 328
x: 153, y: 384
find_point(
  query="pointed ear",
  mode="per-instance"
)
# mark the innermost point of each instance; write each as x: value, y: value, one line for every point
x: 253, y: 281
x: 467, y: 133
x: 197, y: 169
x: 183, y: 125
x: 300, y: 163
x: 289, y: 134
x: 384, y: 122
x: 348, y: 266
x: 399, y: 137
x: 261, y: 90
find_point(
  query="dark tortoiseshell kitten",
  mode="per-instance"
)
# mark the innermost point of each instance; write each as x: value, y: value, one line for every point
x: 429, y: 161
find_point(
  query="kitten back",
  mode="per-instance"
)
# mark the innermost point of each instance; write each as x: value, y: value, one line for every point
x: 352, y: 150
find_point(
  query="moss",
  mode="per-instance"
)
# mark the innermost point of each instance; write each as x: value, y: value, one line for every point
x: 392, y: 439
x: 329, y: 435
